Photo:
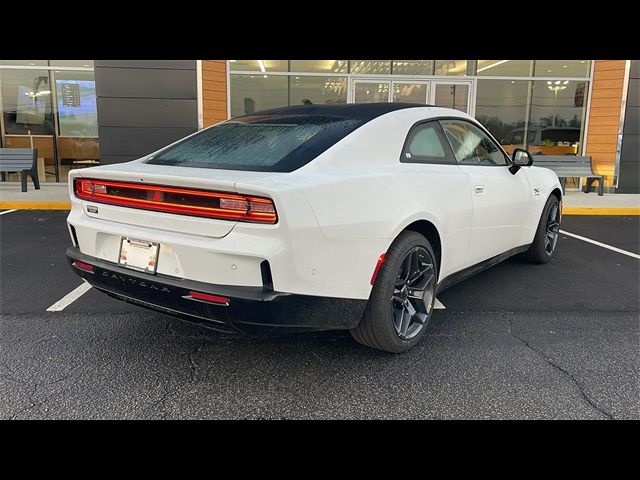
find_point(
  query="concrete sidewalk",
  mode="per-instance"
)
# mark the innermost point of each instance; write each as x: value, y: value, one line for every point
x: 55, y: 196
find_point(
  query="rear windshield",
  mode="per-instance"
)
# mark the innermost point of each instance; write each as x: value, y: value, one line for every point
x: 269, y: 143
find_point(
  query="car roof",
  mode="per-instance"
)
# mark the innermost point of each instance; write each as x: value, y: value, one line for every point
x: 361, y: 111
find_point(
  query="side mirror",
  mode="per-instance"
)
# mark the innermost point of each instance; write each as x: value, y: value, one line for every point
x: 520, y: 158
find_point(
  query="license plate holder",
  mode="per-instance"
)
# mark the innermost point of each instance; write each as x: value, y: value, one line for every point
x: 139, y: 255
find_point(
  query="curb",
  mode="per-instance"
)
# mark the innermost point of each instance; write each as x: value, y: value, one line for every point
x: 600, y: 211
x: 35, y: 205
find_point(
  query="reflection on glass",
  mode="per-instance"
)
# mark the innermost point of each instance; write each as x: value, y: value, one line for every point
x: 373, y: 92
x: 512, y: 68
x: 76, y: 103
x: 451, y: 67
x: 322, y: 66
x: 371, y: 66
x: 501, y: 106
x: 410, y: 92
x: 27, y: 112
x: 26, y: 102
x: 413, y: 67
x: 452, y: 96
x: 77, y: 120
x: 71, y: 63
x: 259, y: 65
x: 317, y: 90
x: 557, y: 109
x: 562, y: 68
x: 25, y: 62
x: 252, y: 93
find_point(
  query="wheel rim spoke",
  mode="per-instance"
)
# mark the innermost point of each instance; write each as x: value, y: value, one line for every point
x: 413, y: 294
x: 552, y: 230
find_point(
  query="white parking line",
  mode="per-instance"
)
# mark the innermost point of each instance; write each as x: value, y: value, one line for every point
x: 603, y: 245
x: 437, y: 305
x: 9, y: 211
x: 69, y: 298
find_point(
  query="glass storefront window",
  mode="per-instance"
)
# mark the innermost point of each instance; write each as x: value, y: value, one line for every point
x: 451, y: 67
x: 76, y: 104
x: 72, y: 63
x: 320, y: 66
x: 26, y: 102
x: 413, y: 67
x: 252, y: 93
x: 53, y: 112
x: 501, y: 106
x: 506, y: 68
x: 317, y: 90
x: 562, y: 68
x: 259, y: 65
x: 25, y: 62
x: 374, y: 67
x: 555, y: 122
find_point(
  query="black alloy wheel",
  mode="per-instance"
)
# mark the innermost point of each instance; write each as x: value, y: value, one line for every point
x: 413, y: 293
x: 552, y: 229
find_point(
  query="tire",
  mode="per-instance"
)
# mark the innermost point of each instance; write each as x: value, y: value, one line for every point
x: 382, y: 326
x: 549, y: 225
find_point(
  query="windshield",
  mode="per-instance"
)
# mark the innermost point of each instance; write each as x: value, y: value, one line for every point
x: 272, y: 143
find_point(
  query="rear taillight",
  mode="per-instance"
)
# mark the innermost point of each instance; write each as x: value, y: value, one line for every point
x: 182, y: 201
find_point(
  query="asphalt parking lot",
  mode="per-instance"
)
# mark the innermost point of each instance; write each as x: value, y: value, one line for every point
x: 517, y: 341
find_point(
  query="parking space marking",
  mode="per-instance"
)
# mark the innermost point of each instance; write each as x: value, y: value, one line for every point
x: 9, y: 211
x: 603, y: 245
x: 437, y: 305
x: 70, y: 297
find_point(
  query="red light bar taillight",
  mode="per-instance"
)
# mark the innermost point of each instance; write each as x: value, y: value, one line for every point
x: 83, y: 266
x: 182, y: 201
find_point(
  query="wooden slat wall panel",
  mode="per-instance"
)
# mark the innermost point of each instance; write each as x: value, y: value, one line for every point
x: 214, y: 91
x: 604, y: 116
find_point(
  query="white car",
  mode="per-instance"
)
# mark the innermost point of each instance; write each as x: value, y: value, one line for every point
x: 312, y: 217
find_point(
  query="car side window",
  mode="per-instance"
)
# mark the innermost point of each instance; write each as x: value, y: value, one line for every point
x: 424, y: 144
x: 471, y: 146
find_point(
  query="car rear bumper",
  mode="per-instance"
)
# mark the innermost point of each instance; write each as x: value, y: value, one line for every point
x: 249, y: 309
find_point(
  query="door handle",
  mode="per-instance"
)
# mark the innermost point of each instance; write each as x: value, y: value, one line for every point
x: 479, y: 189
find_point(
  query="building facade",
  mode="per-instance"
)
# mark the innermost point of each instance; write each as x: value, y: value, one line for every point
x: 85, y: 112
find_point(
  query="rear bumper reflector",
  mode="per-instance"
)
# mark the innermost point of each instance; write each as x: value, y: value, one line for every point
x: 83, y: 266
x: 206, y: 297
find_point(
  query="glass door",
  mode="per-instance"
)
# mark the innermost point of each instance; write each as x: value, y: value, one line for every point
x: 450, y: 94
x: 371, y: 91
x: 410, y: 91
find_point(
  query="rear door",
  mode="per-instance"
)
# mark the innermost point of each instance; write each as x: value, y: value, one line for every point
x: 501, y: 200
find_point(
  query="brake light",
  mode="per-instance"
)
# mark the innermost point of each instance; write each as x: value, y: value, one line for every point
x: 181, y: 201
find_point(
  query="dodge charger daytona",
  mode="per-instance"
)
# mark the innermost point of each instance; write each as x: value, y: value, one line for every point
x: 312, y: 217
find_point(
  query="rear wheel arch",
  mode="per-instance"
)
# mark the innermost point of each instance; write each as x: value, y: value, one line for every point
x: 430, y: 232
x: 556, y: 191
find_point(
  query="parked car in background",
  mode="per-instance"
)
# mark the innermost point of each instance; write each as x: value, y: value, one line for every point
x: 312, y: 217
x: 544, y: 140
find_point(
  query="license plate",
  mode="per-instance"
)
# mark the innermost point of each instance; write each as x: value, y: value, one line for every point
x: 140, y: 255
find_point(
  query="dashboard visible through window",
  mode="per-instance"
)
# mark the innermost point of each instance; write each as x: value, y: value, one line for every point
x: 471, y: 146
